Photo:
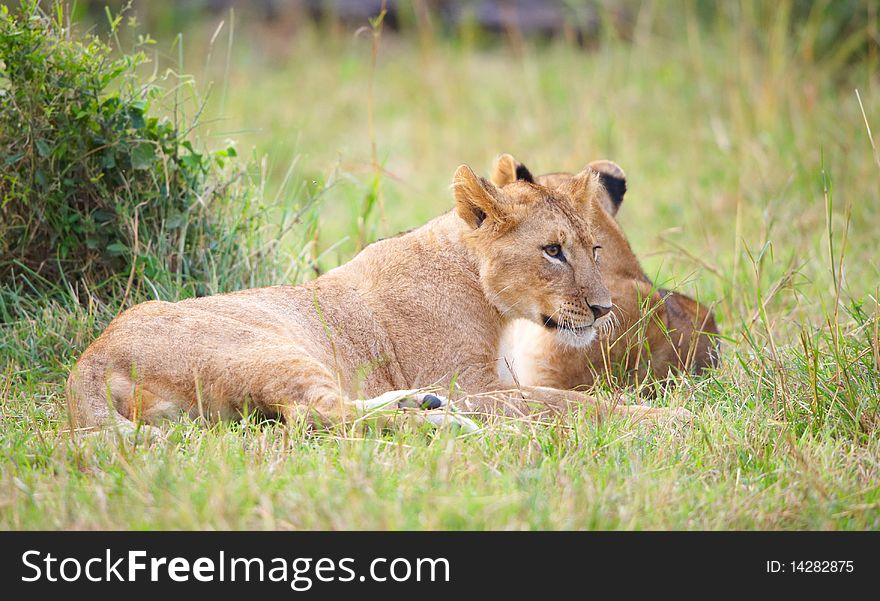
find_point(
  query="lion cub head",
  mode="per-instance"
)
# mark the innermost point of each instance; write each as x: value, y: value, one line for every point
x: 538, y: 252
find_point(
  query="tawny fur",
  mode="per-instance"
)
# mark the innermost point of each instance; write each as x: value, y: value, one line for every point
x: 654, y: 332
x: 420, y: 309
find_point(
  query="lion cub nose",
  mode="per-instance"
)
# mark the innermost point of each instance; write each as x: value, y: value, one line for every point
x: 599, y: 310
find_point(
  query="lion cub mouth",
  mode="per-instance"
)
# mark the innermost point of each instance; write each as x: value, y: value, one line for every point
x: 552, y: 324
x: 573, y: 336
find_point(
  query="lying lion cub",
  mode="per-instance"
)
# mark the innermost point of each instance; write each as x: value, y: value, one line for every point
x: 654, y: 331
x: 424, y: 308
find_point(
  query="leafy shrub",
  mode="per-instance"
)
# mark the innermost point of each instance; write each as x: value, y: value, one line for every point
x: 95, y: 190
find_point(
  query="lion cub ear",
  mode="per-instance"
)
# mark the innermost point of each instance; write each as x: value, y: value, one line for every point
x: 508, y: 170
x: 476, y: 200
x: 583, y: 186
x: 613, y: 179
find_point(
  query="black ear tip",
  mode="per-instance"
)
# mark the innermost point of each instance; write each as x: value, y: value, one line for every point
x: 616, y: 187
x: 523, y: 174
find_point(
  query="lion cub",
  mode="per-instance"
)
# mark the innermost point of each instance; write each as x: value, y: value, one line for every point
x: 421, y: 309
x: 655, y: 331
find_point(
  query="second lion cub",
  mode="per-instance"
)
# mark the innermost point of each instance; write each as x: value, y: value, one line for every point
x: 655, y: 331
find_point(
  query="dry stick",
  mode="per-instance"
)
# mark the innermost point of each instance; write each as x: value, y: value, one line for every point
x: 877, y: 294
x: 840, y: 274
x: 868, y: 127
x: 134, y: 255
x: 376, y: 26
x: 762, y: 312
x: 779, y: 285
x: 374, y: 52
x: 640, y: 345
x: 228, y: 59
x: 211, y: 45
x: 877, y: 328
x: 828, y: 199
x: 812, y: 357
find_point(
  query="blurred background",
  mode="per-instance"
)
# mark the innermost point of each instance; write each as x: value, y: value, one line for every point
x: 731, y: 119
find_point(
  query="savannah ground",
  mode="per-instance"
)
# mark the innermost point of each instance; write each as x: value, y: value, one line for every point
x: 753, y: 185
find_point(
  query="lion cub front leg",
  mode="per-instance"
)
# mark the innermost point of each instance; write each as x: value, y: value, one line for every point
x: 423, y: 406
x: 543, y: 402
x: 558, y: 400
x: 319, y: 405
x: 290, y: 383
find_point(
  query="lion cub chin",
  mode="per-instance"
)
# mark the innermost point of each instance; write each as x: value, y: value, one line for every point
x: 415, y: 312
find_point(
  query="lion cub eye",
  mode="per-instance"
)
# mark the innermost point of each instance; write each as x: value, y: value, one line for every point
x: 554, y: 251
x: 596, y: 250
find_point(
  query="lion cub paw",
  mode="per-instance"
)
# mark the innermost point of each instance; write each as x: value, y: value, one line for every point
x: 423, y: 406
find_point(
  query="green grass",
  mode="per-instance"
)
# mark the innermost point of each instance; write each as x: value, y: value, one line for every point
x: 752, y: 183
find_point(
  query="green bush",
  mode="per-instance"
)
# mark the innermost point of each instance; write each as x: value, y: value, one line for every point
x: 96, y: 191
